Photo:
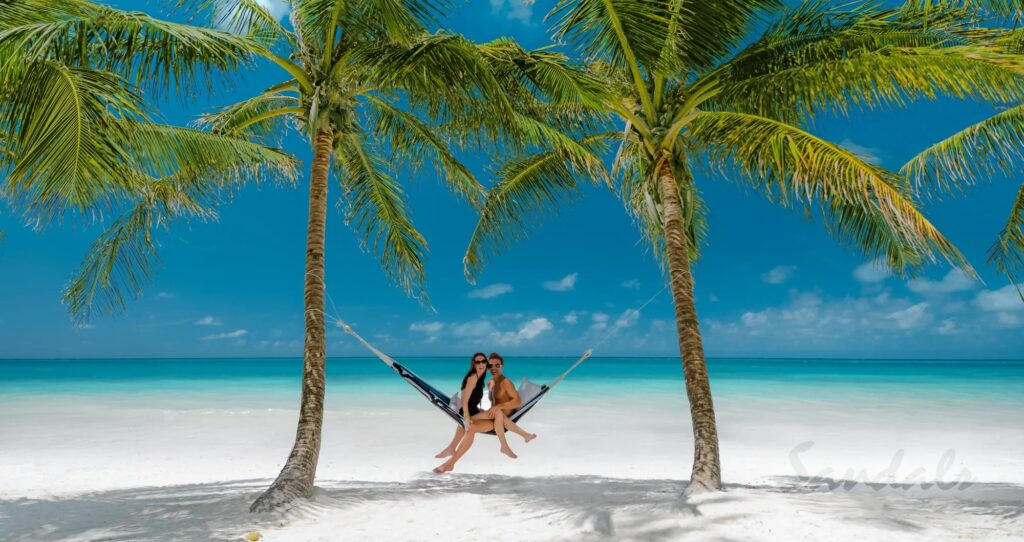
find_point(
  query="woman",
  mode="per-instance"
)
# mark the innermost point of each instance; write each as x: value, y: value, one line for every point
x: 472, y: 392
x: 475, y: 421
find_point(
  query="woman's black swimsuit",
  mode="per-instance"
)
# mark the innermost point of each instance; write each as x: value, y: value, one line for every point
x: 474, y: 397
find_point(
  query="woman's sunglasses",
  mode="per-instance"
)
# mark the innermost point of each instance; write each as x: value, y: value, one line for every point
x: 480, y: 362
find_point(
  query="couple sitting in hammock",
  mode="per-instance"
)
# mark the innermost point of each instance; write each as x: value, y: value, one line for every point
x: 504, y: 401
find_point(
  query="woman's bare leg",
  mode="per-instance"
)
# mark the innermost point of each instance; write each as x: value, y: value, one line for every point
x: 481, y: 426
x: 499, y: 429
x: 459, y: 433
x: 511, y: 426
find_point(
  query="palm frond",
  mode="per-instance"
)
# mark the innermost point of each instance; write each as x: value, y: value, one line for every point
x: 262, y: 117
x: 64, y: 137
x: 410, y: 140
x: 545, y: 74
x: 527, y: 189
x: 619, y: 32
x: 826, y: 58
x: 861, y: 204
x: 991, y: 147
x: 875, y: 80
x: 375, y: 207
x: 118, y: 263
x: 167, y: 151
x: 1007, y: 253
x: 246, y: 17
x: 701, y: 33
x: 148, y: 52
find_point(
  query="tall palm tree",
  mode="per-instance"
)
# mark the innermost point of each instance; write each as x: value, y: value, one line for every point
x: 77, y: 137
x: 372, y: 89
x: 991, y: 147
x: 688, y: 102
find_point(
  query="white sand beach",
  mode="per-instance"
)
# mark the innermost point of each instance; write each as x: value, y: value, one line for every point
x: 133, y: 466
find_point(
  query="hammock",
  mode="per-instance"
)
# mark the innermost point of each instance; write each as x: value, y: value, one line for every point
x: 529, y: 393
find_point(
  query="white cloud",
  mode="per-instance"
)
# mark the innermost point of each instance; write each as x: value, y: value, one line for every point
x: 868, y: 154
x: 473, y: 330
x: 1003, y: 299
x: 631, y: 284
x: 627, y: 318
x: 564, y: 284
x: 517, y: 10
x: 910, y: 317
x: 870, y: 273
x: 164, y: 295
x: 948, y: 327
x: 228, y: 335
x: 572, y: 318
x: 207, y: 321
x: 954, y: 281
x: 754, y: 319
x: 600, y: 321
x: 1008, y: 319
x: 778, y: 274
x: 527, y: 332
x: 713, y: 298
x: 490, y: 292
x: 430, y: 328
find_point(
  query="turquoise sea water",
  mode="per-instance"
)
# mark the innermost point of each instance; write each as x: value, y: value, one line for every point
x: 934, y: 380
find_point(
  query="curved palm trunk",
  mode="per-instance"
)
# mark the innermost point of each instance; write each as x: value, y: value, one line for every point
x: 706, y: 474
x: 296, y: 478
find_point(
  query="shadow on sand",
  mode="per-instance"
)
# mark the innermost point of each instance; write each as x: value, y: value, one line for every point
x: 591, y: 507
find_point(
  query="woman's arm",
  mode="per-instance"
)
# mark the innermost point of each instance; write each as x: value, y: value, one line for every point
x: 466, y: 391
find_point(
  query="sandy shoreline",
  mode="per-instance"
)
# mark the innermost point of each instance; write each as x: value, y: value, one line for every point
x: 180, y: 465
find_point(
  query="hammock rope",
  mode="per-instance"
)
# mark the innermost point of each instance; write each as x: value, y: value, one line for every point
x: 444, y: 402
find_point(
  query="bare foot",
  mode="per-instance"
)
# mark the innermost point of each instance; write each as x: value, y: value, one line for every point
x: 509, y: 452
x: 528, y: 438
x: 447, y: 452
x: 443, y: 468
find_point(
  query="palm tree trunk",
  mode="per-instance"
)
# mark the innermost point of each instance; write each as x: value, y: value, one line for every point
x: 707, y: 471
x: 296, y: 478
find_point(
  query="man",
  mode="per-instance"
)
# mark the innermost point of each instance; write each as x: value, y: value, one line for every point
x: 505, y: 399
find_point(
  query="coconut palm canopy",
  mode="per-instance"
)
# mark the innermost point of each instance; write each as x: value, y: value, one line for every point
x: 692, y: 92
x: 988, y: 149
x: 79, y: 139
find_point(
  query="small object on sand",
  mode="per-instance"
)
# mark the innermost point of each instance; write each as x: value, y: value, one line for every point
x: 253, y: 536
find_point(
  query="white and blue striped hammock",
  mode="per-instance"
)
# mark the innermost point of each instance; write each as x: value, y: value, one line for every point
x: 529, y: 393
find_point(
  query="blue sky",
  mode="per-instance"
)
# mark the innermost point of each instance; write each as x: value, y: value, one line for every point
x: 770, y: 284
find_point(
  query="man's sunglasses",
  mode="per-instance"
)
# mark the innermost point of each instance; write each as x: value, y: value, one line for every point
x: 493, y: 365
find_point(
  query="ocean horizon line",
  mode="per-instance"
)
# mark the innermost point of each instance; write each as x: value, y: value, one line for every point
x: 565, y: 356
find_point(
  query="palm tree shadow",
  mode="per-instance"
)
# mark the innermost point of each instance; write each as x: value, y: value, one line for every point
x: 592, y: 507
x: 600, y: 508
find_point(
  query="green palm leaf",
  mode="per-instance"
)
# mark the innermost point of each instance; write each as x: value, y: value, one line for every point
x: 410, y: 140
x: 375, y: 207
x: 146, y: 51
x: 861, y: 204
x: 994, y: 146
x: 1007, y: 253
x: 528, y: 189
x: 65, y: 137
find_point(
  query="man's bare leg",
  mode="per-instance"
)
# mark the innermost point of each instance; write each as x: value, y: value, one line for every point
x: 511, y: 426
x: 499, y: 430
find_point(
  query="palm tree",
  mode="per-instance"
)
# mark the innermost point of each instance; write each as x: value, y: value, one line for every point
x: 688, y: 102
x: 993, y: 146
x: 370, y: 88
x: 77, y: 137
